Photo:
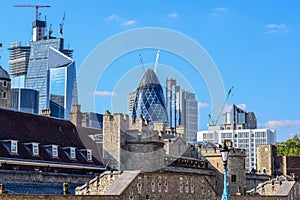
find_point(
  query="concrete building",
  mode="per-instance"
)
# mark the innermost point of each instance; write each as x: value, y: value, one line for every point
x: 248, y: 139
x: 5, y: 88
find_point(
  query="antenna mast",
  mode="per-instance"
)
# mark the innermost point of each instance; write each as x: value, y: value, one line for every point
x: 156, y: 61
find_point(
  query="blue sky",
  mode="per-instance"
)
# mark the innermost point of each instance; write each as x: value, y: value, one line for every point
x: 255, y: 45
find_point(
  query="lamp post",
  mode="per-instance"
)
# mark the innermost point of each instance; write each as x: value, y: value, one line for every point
x: 224, y: 152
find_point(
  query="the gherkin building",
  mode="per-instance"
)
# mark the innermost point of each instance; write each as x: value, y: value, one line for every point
x: 149, y: 102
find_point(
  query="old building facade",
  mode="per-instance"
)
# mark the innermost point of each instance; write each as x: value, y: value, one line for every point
x: 5, y: 88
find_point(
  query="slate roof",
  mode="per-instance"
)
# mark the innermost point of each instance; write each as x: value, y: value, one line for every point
x: 28, y: 128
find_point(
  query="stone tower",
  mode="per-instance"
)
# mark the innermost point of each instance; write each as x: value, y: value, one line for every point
x: 236, y: 168
x: 129, y: 145
x: 265, y: 159
x: 5, y: 88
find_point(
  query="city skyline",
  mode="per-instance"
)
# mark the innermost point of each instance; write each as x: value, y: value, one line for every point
x: 254, y: 47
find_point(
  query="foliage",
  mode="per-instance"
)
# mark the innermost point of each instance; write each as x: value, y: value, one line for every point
x: 291, y: 147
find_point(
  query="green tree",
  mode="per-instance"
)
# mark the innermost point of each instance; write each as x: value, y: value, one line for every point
x: 291, y: 147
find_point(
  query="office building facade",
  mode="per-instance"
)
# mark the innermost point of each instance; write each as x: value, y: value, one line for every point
x: 24, y: 100
x: 248, y: 139
x: 48, y: 69
x: 182, y: 109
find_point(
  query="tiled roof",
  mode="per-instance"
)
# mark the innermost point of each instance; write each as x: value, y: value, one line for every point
x: 28, y: 128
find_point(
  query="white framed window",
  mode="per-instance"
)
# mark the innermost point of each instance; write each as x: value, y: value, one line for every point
x: 54, y: 151
x: 14, y: 146
x: 72, y: 153
x: 89, y: 155
x: 35, y: 148
x: 4, y: 83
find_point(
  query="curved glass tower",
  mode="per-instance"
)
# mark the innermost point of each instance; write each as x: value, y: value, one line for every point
x: 149, y: 102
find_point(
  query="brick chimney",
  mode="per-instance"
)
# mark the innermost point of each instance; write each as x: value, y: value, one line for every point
x: 76, y: 115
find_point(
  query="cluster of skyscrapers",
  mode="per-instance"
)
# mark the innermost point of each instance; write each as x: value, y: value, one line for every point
x: 43, y: 74
x: 178, y: 108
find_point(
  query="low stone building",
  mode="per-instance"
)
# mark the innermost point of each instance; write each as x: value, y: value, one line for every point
x: 280, y: 187
x: 149, y: 185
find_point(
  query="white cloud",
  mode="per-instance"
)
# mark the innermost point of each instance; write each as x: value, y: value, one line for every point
x: 217, y: 11
x: 173, y: 15
x: 282, y: 123
x: 113, y: 17
x: 128, y: 22
x: 275, y: 28
x: 117, y: 18
x: 104, y: 93
x: 202, y: 105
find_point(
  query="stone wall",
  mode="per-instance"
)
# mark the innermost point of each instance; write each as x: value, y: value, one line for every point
x: 154, y: 185
x: 252, y: 180
x: 44, y: 177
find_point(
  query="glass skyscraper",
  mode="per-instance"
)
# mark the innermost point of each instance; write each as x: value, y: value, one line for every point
x: 182, y: 108
x: 51, y: 71
x: 24, y: 100
x: 149, y: 100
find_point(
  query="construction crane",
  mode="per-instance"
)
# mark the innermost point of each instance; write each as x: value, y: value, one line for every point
x: 33, y: 6
x: 156, y: 61
x: 215, y: 122
x: 141, y: 61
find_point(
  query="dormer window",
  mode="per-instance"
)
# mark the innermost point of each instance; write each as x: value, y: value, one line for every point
x: 10, y: 145
x: 54, y: 151
x: 35, y: 149
x: 72, y: 153
x: 14, y: 146
x: 87, y: 154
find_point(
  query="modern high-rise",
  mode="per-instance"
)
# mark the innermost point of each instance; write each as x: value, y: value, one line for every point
x: 182, y: 109
x: 50, y: 70
x: 188, y: 106
x: 131, y: 98
x: 149, y: 102
x: 18, y: 63
x: 172, y: 102
x: 241, y: 129
x: 24, y: 100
